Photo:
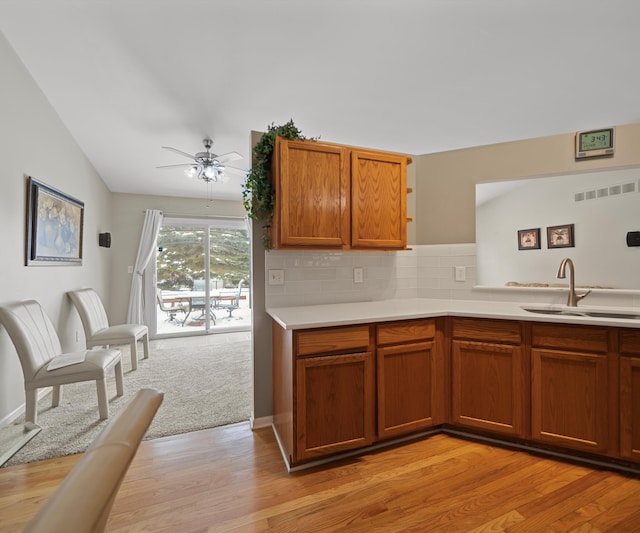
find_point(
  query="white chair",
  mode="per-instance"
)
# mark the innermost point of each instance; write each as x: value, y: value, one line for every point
x: 83, y: 501
x: 97, y: 330
x: 38, y: 346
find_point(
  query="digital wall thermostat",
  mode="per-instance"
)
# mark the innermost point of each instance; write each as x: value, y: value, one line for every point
x: 594, y: 143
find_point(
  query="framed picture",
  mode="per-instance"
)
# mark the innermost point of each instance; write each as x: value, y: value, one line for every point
x: 560, y: 236
x: 54, y: 226
x: 529, y: 239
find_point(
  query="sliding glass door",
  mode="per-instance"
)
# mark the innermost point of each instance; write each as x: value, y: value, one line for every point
x: 201, y: 281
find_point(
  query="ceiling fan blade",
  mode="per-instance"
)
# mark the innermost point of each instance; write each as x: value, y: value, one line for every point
x: 229, y: 156
x: 173, y: 166
x: 236, y: 168
x: 179, y: 152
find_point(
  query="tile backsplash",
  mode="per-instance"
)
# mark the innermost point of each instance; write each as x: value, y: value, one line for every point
x: 426, y: 271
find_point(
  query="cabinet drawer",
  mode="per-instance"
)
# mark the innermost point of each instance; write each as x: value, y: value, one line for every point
x: 406, y: 331
x: 580, y: 338
x: 501, y: 331
x: 331, y: 340
x: 630, y: 341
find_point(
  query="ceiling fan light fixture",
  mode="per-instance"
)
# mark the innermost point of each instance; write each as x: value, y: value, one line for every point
x: 209, y: 173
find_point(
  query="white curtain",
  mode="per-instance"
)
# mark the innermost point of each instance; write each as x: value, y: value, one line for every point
x: 148, y: 239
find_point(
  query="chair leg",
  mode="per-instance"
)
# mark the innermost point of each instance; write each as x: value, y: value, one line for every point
x: 103, y: 403
x: 56, y: 396
x: 31, y: 406
x: 119, y: 378
x: 145, y: 345
x: 134, y: 355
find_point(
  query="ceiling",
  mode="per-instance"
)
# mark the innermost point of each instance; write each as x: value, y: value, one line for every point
x: 413, y: 76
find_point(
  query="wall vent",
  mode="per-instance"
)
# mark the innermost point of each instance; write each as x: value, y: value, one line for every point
x: 604, y: 192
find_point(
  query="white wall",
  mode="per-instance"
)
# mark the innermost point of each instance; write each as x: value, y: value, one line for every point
x: 33, y: 141
x: 601, y: 255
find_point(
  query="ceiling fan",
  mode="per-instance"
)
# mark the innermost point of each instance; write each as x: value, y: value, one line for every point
x: 206, y: 165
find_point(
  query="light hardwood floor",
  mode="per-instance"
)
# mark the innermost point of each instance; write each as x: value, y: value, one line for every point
x: 233, y: 479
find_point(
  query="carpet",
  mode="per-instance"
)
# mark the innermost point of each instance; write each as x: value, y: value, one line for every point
x: 206, y: 381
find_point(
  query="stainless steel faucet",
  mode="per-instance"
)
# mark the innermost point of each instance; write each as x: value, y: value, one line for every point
x: 573, y: 298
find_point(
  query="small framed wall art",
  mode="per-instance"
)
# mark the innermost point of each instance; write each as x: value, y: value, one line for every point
x: 560, y: 236
x: 54, y: 226
x: 529, y: 239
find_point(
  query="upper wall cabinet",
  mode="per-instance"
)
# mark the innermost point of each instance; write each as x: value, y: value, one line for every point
x: 338, y: 197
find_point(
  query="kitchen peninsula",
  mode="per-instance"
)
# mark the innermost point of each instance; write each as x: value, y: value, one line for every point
x: 352, y: 375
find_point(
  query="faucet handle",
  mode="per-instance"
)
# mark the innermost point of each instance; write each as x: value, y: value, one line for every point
x: 581, y: 296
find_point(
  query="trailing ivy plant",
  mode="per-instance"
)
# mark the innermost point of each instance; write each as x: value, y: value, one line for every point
x: 258, y: 194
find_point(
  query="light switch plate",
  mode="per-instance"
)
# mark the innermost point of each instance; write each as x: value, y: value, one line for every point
x: 276, y: 277
x: 461, y: 273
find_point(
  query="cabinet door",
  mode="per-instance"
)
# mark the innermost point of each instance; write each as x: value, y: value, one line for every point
x: 406, y: 391
x: 378, y: 200
x: 630, y: 408
x: 488, y: 387
x: 335, y: 404
x: 312, y: 194
x: 569, y: 399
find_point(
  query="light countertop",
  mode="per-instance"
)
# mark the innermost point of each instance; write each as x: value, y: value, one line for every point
x: 316, y: 316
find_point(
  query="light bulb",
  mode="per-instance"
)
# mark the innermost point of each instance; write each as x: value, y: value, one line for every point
x: 209, y: 172
x: 191, y: 172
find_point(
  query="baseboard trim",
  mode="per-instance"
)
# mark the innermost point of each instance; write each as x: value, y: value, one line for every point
x: 260, y: 423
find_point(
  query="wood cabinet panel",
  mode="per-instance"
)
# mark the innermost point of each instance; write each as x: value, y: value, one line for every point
x: 378, y: 200
x: 488, y: 387
x: 335, y: 404
x: 407, y: 398
x: 312, y: 191
x: 587, y: 339
x: 630, y: 408
x: 629, y: 340
x: 480, y: 329
x: 570, y: 399
x: 331, y: 340
x: 405, y: 331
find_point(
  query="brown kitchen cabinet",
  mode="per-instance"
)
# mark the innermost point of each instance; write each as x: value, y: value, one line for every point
x: 333, y: 196
x: 629, y: 342
x: 489, y: 376
x: 324, y: 390
x: 410, y: 377
x: 571, y: 370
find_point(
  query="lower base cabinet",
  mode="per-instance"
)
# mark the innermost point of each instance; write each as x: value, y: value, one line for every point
x: 570, y: 394
x: 489, y: 376
x: 410, y: 377
x: 629, y: 342
x: 559, y: 386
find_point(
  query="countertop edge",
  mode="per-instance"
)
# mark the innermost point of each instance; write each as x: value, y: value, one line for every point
x: 344, y: 314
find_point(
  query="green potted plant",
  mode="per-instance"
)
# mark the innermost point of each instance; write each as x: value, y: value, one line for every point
x: 258, y: 194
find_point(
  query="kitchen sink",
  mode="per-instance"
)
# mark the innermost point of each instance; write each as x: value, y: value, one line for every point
x: 626, y: 314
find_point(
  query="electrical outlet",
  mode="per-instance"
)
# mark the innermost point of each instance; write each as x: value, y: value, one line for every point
x: 358, y: 275
x: 130, y: 269
x: 276, y: 277
x: 461, y: 273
